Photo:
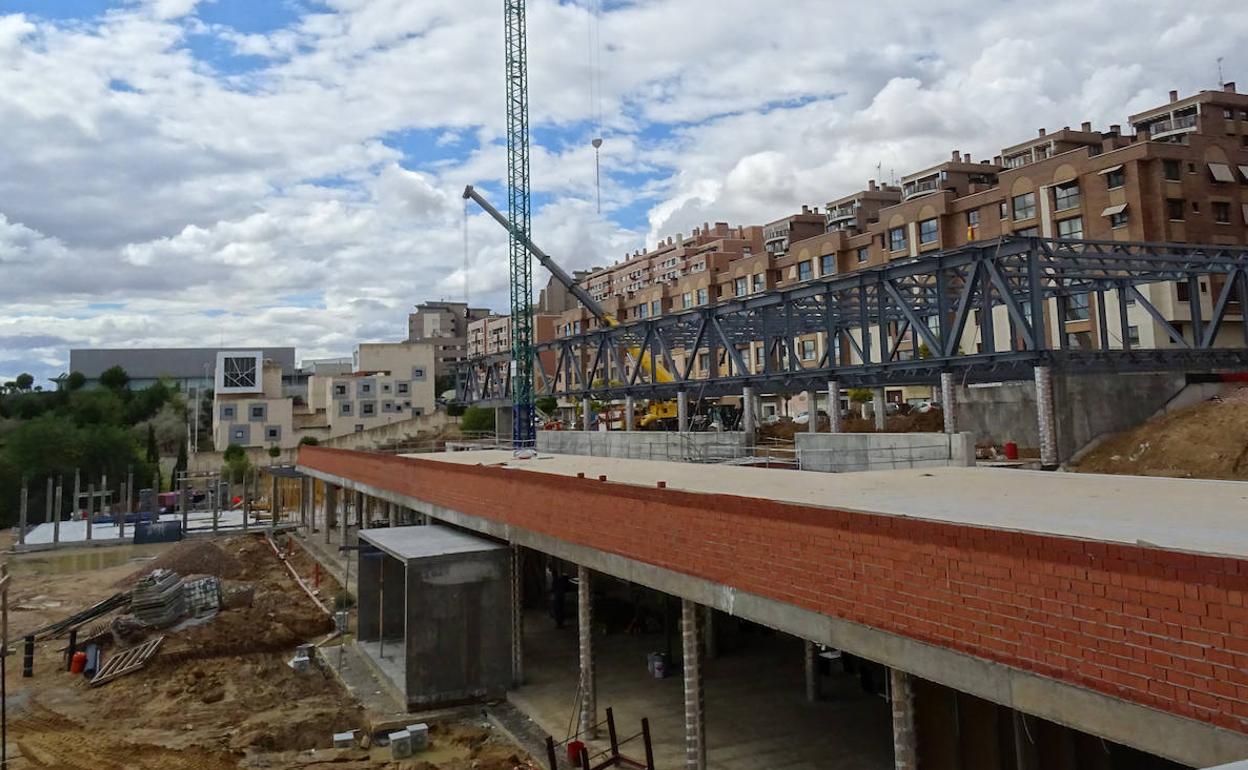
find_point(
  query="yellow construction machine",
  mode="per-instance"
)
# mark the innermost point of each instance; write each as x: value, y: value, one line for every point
x: 658, y: 415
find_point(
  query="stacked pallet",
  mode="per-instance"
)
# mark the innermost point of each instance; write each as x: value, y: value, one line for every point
x: 159, y: 599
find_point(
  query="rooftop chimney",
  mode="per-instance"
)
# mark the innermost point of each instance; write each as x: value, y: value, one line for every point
x: 1229, y: 87
x: 966, y: 157
x: 870, y: 184
x: 1042, y: 132
x: 1086, y: 127
x: 1174, y: 96
x: 996, y: 160
x: 1116, y: 129
x: 706, y: 227
x: 805, y: 209
x: 956, y: 157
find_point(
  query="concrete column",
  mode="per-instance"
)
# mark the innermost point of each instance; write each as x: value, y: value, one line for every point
x: 589, y: 681
x: 311, y: 504
x: 695, y: 707
x: 585, y: 418
x: 182, y: 501
x: 273, y: 504
x: 78, y: 493
x: 905, y: 747
x: 948, y: 405
x: 878, y: 406
x: 344, y: 518
x: 812, y: 672
x: 834, y: 405
x: 90, y: 508
x: 216, y: 503
x: 393, y: 511
x: 359, y: 504
x: 48, y: 503
x: 1045, y: 416
x: 56, y: 514
x: 517, y: 616
x: 709, y: 645
x: 629, y: 406
x: 682, y: 411
x: 749, y: 420
x: 21, y: 516
x: 248, y: 501
x: 120, y: 510
x: 331, y: 510
x: 812, y: 410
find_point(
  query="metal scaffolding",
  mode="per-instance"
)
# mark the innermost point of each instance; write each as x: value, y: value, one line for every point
x: 929, y: 301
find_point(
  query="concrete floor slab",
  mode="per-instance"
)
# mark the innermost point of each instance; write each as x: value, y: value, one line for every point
x: 1192, y: 515
x: 757, y: 715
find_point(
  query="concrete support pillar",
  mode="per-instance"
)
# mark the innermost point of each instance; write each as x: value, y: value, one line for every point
x: 311, y: 504
x: 48, y: 502
x: 948, y: 404
x: 749, y: 420
x: 834, y: 406
x: 589, y: 681
x: 393, y: 511
x: 21, y: 516
x: 682, y: 411
x: 629, y: 406
x: 359, y: 503
x: 905, y: 746
x: 90, y: 508
x: 709, y: 645
x: 517, y: 616
x: 695, y: 706
x: 249, y: 500
x: 56, y: 512
x: 812, y: 410
x: 878, y: 406
x: 586, y: 419
x: 78, y: 496
x: 331, y: 510
x: 812, y: 672
x: 1046, y: 417
x: 344, y: 519
x: 273, y: 502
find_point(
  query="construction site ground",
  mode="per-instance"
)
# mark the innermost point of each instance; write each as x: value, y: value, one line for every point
x: 218, y: 694
x: 1208, y: 440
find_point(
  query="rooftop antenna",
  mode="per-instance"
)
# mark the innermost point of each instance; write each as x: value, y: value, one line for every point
x: 1221, y: 80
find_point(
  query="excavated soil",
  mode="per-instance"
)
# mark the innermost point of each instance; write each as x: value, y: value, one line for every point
x: 913, y: 422
x: 218, y: 694
x: 1205, y: 441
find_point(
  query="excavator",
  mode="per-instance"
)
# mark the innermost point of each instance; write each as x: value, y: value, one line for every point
x: 659, y: 415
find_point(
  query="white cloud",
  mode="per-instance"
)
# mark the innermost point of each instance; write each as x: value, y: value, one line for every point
x: 144, y: 191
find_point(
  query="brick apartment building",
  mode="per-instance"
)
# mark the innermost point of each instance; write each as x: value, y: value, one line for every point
x: 1179, y: 175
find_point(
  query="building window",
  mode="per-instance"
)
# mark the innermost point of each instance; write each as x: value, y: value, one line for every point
x: 864, y: 253
x: 359, y: 427
x: 418, y: 374
x: 702, y: 296
x: 643, y: 310
x: 1115, y: 179
x: 1172, y: 169
x: 1070, y: 228
x: 1222, y: 212
x: 758, y: 357
x: 1003, y: 210
x: 1028, y: 232
x: 1118, y: 219
x: 227, y: 413
x: 340, y: 390
x: 808, y: 350
x: 402, y: 388
x: 365, y: 388
x: 344, y: 409
x: 387, y: 406
x: 1175, y: 208
x: 272, y: 433
x: 928, y: 231
x: 385, y: 387
x: 686, y: 300
x: 704, y: 362
x: 1133, y: 335
x: 1077, y: 308
x: 740, y: 287
x: 241, y: 434
x: 239, y: 372
x: 257, y: 412
x: 804, y: 270
x: 972, y: 224
x: 1066, y: 196
x: 368, y: 409
x: 897, y: 239
x: 827, y: 264
x: 1024, y: 206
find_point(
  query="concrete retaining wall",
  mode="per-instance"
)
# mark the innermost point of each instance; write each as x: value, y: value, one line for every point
x: 1086, y: 406
x: 842, y: 452
x: 644, y: 445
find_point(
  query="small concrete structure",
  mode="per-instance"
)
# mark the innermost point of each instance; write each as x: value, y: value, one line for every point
x: 433, y: 603
x: 844, y: 452
x: 709, y: 446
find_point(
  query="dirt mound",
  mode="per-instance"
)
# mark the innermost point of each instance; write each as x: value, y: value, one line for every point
x: 191, y: 558
x: 912, y: 422
x: 1205, y: 441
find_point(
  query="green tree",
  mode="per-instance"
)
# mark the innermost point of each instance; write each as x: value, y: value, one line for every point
x: 75, y: 381
x: 180, y: 465
x: 275, y: 452
x: 860, y: 395
x: 97, y: 407
x: 233, y: 453
x: 24, y: 381
x: 547, y: 404
x: 477, y: 419
x: 236, y: 463
x: 114, y: 378
x: 309, y: 441
x: 153, y: 453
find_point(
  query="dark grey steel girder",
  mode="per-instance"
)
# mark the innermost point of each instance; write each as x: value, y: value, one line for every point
x: 932, y: 298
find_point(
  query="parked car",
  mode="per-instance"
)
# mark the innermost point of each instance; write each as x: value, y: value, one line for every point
x: 803, y: 418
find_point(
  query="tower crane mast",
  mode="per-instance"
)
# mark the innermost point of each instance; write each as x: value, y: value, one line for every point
x: 519, y: 221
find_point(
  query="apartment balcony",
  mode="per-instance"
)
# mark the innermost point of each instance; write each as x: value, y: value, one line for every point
x: 841, y: 214
x: 1177, y: 125
x: 919, y: 188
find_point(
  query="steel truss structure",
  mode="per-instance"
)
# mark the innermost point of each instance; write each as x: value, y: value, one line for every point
x: 930, y: 299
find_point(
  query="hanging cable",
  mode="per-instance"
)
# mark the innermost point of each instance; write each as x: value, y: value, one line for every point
x: 595, y: 91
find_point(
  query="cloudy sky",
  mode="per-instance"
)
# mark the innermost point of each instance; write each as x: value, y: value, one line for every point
x: 287, y: 172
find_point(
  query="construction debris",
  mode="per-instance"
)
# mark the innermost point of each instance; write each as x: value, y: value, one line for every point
x: 203, y: 595
x: 103, y: 607
x: 126, y: 661
x: 159, y: 599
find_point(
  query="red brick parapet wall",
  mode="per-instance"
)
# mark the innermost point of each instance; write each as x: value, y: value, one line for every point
x: 1159, y: 628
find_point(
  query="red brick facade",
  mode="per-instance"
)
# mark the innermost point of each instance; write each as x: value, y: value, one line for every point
x: 1160, y: 628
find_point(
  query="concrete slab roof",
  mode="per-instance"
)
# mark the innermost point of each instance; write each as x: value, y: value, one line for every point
x: 424, y: 542
x: 1198, y: 516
